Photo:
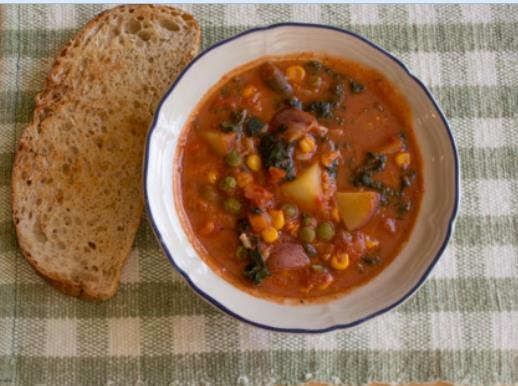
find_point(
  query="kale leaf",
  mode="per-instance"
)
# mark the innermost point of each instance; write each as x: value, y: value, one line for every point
x: 356, y: 87
x: 363, y: 177
x: 275, y: 152
x: 256, y: 270
x: 253, y: 126
x: 321, y: 109
x: 237, y: 119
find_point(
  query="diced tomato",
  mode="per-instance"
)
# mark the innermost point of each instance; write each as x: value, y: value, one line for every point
x: 276, y: 175
x: 258, y: 195
x: 319, y: 280
x: 356, y: 249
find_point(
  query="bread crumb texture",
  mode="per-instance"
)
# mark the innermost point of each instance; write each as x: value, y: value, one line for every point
x: 76, y: 182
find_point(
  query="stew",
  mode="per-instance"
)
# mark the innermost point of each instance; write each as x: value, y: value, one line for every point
x: 300, y: 176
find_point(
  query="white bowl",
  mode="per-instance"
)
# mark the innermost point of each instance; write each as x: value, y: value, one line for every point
x: 395, y: 283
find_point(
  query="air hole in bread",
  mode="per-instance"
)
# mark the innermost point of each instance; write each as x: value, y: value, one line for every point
x: 169, y: 25
x: 29, y: 182
x: 140, y: 18
x: 59, y: 197
x: 133, y: 27
x: 38, y: 232
x: 38, y: 202
x: 145, y: 35
x: 92, y: 245
x: 187, y: 17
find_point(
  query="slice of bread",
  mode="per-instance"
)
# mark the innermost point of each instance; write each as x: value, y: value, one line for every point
x: 76, y: 182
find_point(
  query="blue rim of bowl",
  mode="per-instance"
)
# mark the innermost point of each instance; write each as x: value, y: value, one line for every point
x: 451, y: 222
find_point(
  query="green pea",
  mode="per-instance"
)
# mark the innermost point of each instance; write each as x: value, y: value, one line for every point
x: 307, y: 234
x: 308, y: 220
x: 232, y: 206
x: 227, y: 183
x: 326, y: 231
x: 233, y: 159
x: 290, y: 210
x: 209, y: 193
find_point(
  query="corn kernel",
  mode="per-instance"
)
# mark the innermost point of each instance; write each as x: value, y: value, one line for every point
x: 295, y: 73
x: 249, y: 91
x: 371, y: 242
x: 403, y: 160
x: 340, y: 261
x: 277, y: 219
x: 307, y: 144
x: 253, y: 162
x: 212, y: 177
x: 335, y: 214
x: 269, y: 235
x: 244, y: 179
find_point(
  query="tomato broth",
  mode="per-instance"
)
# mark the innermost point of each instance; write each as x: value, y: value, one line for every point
x: 300, y: 176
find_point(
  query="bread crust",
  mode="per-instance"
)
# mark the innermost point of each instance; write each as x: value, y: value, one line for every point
x: 58, y: 95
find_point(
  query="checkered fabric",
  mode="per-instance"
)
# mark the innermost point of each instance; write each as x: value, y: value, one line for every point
x: 461, y: 326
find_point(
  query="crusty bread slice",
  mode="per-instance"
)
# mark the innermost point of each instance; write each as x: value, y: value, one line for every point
x: 76, y: 182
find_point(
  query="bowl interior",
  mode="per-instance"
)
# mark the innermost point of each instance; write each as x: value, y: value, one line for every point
x: 392, y: 285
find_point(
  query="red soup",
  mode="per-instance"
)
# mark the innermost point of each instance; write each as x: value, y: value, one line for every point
x: 300, y: 176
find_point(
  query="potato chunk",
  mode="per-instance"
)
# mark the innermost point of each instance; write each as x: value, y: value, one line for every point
x: 357, y: 208
x: 306, y: 188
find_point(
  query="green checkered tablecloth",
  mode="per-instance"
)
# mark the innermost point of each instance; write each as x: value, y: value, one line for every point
x: 462, y: 326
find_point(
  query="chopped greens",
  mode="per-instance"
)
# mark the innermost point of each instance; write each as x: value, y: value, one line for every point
x: 403, y: 208
x: 313, y: 66
x: 237, y: 119
x: 294, y: 102
x: 356, y: 87
x: 309, y: 249
x: 375, y: 162
x: 253, y: 126
x: 404, y: 140
x: 371, y: 260
x: 363, y: 177
x: 321, y: 109
x: 242, y: 226
x: 256, y: 210
x: 275, y: 152
x: 256, y: 270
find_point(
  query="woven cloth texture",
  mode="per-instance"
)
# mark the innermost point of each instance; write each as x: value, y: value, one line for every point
x: 461, y: 326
